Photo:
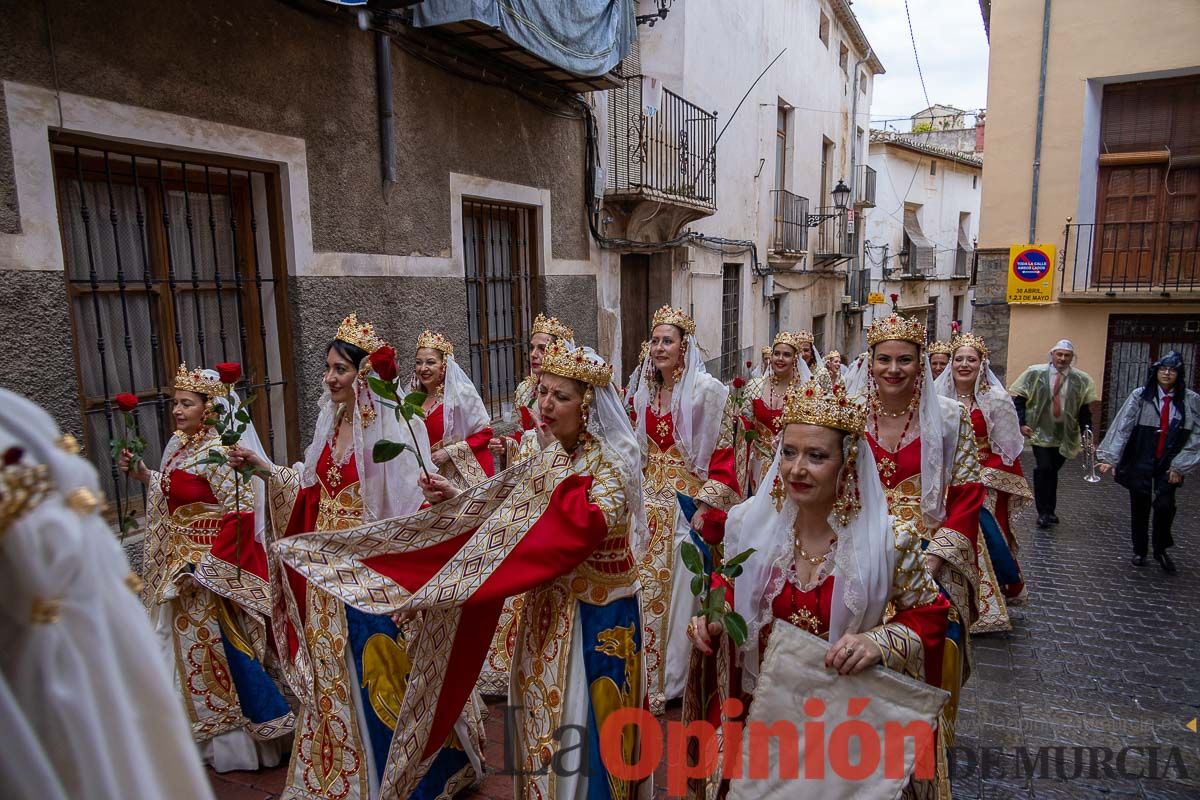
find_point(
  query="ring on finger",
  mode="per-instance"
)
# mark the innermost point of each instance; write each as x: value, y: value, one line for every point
x: 848, y: 650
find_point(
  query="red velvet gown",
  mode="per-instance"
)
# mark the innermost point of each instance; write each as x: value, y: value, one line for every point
x: 1007, y: 492
x: 470, y: 460
x: 668, y: 603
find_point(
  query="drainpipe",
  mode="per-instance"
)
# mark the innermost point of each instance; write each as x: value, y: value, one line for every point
x: 387, y: 115
x: 854, y: 138
x: 1037, y: 136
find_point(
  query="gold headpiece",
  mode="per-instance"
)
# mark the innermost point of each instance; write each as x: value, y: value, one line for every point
x: 826, y: 404
x: 552, y: 327
x: 833, y: 353
x: 766, y: 352
x: 22, y: 488
x: 196, y: 381
x: 895, y: 328
x: 939, y: 347
x: 674, y: 316
x: 435, y: 341
x: 360, y: 334
x: 969, y: 340
x: 792, y: 340
x: 559, y: 360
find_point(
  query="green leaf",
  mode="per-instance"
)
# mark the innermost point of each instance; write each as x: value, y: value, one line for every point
x: 697, y: 585
x: 242, y: 415
x: 691, y: 558
x: 246, y: 403
x: 419, y: 411
x: 740, y: 558
x: 382, y: 388
x: 407, y: 411
x: 230, y: 438
x: 116, y: 446
x: 735, y: 626
x: 732, y: 572
x: 751, y: 436
x: 386, y: 451
x: 415, y: 399
x: 714, y: 604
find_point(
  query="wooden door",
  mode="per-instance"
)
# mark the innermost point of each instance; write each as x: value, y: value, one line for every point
x: 635, y: 308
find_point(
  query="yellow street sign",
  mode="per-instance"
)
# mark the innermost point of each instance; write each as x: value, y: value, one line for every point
x: 1191, y: 726
x: 1030, y: 273
x: 875, y: 299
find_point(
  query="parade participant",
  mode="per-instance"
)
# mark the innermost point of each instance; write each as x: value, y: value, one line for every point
x: 827, y: 557
x: 87, y: 710
x: 939, y: 353
x: 924, y: 448
x: 545, y: 330
x: 557, y: 527
x: 1153, y: 443
x: 972, y: 383
x: 808, y: 353
x: 833, y: 363
x: 216, y: 643
x: 458, y: 423
x: 765, y: 397
x: 1054, y: 404
x: 349, y: 668
x: 687, y: 430
x: 764, y: 367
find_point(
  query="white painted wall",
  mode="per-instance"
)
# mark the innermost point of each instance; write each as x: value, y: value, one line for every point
x: 710, y: 52
x: 903, y: 178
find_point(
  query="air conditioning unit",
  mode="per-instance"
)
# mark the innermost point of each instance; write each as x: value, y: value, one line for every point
x: 846, y: 299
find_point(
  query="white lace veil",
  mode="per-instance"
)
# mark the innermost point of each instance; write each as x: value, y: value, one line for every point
x: 462, y: 407
x: 69, y: 682
x: 697, y: 409
x: 1004, y: 429
x: 863, y: 560
x: 388, y: 489
x: 251, y: 442
x: 608, y: 422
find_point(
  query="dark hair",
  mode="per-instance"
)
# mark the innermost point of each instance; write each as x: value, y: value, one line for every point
x: 1178, y: 391
x: 351, y: 352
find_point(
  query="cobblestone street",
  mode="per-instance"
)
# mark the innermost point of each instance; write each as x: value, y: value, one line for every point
x: 1103, y: 656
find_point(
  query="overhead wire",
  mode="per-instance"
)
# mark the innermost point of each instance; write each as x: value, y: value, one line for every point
x: 913, y: 38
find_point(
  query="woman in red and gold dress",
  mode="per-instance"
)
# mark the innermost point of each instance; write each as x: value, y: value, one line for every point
x: 970, y: 381
x: 765, y: 395
x: 217, y: 641
x: 349, y: 668
x: 827, y: 557
x: 924, y: 448
x: 458, y: 423
x: 687, y: 429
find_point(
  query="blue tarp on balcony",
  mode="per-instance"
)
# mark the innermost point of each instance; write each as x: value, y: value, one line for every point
x: 583, y: 37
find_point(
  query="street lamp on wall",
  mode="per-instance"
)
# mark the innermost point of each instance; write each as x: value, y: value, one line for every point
x: 841, y: 196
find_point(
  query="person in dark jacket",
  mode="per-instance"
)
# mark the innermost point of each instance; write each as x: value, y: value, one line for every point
x: 1153, y: 443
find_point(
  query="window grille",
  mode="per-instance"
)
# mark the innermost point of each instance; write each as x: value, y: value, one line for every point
x: 731, y: 303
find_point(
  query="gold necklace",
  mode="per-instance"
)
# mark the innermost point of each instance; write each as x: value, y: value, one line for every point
x: 818, y: 560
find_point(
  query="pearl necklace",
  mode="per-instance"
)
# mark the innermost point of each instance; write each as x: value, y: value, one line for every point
x: 817, y: 560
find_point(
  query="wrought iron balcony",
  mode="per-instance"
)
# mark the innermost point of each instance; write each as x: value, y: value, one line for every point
x: 865, y: 187
x: 834, y: 246
x: 1159, y: 258
x: 667, y: 159
x: 963, y: 259
x: 858, y: 286
x: 790, y: 236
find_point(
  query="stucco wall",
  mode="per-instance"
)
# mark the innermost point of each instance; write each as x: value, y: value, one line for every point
x: 36, y: 356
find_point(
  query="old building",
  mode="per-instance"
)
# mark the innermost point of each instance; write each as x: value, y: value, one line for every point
x: 1094, y: 147
x: 752, y: 235
x: 224, y: 181
x: 920, y: 237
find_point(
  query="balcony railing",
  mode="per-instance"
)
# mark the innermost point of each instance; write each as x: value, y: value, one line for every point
x: 831, y: 233
x: 1110, y: 258
x: 865, y: 187
x: 858, y: 286
x: 669, y: 155
x: 962, y: 262
x: 790, y: 236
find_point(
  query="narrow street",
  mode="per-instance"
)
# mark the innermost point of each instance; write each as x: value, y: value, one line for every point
x: 1103, y: 656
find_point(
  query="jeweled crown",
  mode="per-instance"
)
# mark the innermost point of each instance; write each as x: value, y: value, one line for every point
x: 435, y: 341
x: 826, y: 404
x: 833, y: 353
x: 552, y: 327
x: 969, y: 340
x: 895, y: 328
x: 560, y: 360
x: 196, y: 381
x: 674, y: 316
x: 792, y: 339
x: 939, y: 347
x: 360, y: 334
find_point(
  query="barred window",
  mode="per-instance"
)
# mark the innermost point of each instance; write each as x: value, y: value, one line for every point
x: 499, y: 245
x: 171, y: 258
x: 731, y: 304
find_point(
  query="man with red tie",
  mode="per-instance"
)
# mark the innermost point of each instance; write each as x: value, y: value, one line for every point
x: 1153, y: 443
x: 1054, y: 405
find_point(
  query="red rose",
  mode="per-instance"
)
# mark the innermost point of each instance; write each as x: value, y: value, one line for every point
x: 739, y: 382
x: 895, y: 298
x: 126, y: 402
x: 749, y: 365
x: 229, y: 371
x: 383, y: 362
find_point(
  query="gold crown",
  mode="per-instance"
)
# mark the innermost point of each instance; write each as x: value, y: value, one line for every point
x: 831, y: 354
x: 766, y: 352
x: 939, y: 347
x: 792, y: 340
x: 896, y: 328
x: 969, y: 340
x: 826, y: 404
x: 552, y: 327
x: 435, y: 341
x: 559, y: 360
x: 674, y: 316
x: 22, y: 488
x: 196, y: 381
x: 360, y: 334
